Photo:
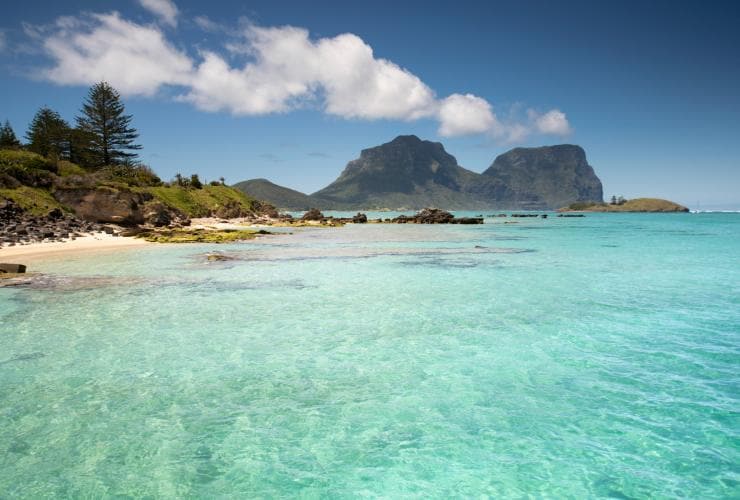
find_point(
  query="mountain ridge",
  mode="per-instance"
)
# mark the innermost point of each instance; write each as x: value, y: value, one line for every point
x: 410, y: 173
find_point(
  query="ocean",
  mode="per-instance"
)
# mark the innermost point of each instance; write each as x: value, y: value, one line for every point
x: 559, y: 357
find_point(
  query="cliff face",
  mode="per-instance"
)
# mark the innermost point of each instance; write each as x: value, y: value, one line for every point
x: 409, y: 173
x: 545, y: 177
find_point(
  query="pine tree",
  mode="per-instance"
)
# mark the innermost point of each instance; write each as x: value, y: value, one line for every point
x: 80, y: 151
x: 49, y: 134
x: 109, y: 127
x: 8, y: 140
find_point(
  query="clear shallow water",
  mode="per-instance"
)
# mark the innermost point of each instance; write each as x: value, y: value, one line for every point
x: 593, y: 357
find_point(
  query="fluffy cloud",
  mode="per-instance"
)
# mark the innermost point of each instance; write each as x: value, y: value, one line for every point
x: 166, y: 10
x: 465, y: 115
x: 553, y: 122
x: 284, y: 70
x: 289, y: 70
x: 135, y: 59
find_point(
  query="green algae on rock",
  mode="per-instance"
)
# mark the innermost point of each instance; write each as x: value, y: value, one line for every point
x: 187, y: 235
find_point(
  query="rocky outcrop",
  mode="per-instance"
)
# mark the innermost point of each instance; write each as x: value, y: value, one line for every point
x: 18, y: 227
x: 359, y: 218
x: 435, y: 216
x: 158, y: 214
x: 105, y: 204
x: 313, y: 214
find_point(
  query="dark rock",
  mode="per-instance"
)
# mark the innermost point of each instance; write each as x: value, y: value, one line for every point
x: 359, y: 218
x: 157, y: 214
x: 55, y: 214
x: 313, y: 214
x: 12, y: 268
x: 435, y: 216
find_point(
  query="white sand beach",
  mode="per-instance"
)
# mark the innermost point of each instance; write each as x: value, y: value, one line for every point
x: 34, y: 252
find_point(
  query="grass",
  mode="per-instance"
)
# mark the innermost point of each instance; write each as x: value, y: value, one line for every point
x: 37, y: 201
x: 198, y: 202
x: 24, y: 159
x: 66, y: 168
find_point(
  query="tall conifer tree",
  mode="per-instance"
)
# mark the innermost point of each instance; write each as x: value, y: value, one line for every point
x: 8, y: 140
x: 108, y: 127
x: 48, y: 134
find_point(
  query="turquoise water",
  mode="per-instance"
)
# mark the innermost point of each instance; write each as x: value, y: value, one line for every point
x: 592, y: 357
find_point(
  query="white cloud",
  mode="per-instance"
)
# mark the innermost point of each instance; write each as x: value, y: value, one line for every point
x: 166, y: 10
x: 135, y: 59
x: 289, y: 69
x: 553, y: 122
x: 464, y: 115
x: 284, y: 70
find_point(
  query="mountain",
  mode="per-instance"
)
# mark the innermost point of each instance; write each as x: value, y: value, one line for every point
x: 409, y: 173
x: 281, y: 197
x: 546, y: 177
x: 404, y: 173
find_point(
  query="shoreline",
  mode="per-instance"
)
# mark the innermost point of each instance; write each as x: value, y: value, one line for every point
x: 99, y: 242
x: 91, y: 243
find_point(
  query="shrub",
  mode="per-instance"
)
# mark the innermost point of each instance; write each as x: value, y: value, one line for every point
x: 131, y: 175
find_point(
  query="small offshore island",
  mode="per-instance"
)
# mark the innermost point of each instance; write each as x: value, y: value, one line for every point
x: 637, y: 205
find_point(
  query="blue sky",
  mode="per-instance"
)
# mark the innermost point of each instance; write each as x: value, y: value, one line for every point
x: 291, y: 91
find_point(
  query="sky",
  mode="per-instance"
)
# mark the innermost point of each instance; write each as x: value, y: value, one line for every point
x: 292, y: 91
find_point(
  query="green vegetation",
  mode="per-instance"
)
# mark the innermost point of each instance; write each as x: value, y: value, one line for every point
x: 8, y: 140
x: 200, y: 235
x: 36, y: 201
x: 98, y: 155
x: 584, y: 205
x: 110, y: 131
x: 622, y: 205
x: 201, y: 202
x: 48, y: 134
x: 23, y: 168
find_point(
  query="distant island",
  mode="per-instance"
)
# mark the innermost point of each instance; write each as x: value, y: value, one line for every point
x: 634, y: 205
x: 408, y: 173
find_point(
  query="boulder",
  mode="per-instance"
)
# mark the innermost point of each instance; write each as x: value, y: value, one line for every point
x: 313, y: 214
x: 359, y: 218
x: 12, y: 268
x: 55, y: 214
x: 104, y: 204
x: 158, y: 214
